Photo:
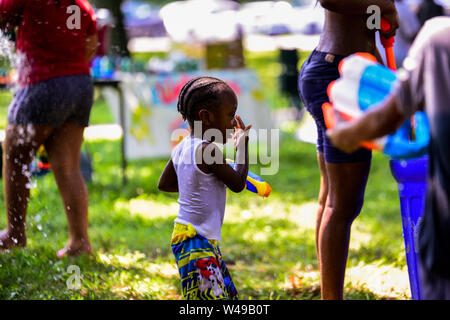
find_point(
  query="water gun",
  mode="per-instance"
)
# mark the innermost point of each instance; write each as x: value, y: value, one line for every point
x: 363, y: 84
x: 254, y: 183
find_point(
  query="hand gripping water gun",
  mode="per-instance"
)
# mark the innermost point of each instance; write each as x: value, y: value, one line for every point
x: 363, y: 84
x: 254, y: 183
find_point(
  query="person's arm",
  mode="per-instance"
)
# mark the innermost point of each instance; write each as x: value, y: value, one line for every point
x: 91, y: 42
x: 11, y: 12
x: 91, y: 45
x: 168, y: 182
x: 234, y: 178
x: 376, y: 123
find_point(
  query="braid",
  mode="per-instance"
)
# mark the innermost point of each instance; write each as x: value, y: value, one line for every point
x: 181, y: 105
x: 198, y: 91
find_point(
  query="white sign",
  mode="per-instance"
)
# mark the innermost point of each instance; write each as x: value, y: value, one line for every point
x: 152, y: 120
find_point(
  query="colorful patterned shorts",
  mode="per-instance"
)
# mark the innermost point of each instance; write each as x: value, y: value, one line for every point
x: 204, y: 275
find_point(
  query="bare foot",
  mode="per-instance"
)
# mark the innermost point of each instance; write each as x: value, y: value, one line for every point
x: 75, y: 250
x: 8, y: 242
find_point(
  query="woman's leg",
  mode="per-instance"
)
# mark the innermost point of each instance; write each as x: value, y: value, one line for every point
x: 346, y: 186
x: 323, y: 195
x: 20, y: 145
x: 63, y: 148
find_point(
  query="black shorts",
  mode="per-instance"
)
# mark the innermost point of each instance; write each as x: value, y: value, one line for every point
x: 54, y: 102
x: 317, y: 72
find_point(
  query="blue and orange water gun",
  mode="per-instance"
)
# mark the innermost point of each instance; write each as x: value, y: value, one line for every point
x: 364, y: 83
x: 254, y: 183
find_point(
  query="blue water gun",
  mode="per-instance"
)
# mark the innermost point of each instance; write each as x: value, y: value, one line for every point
x: 363, y: 84
x: 254, y: 183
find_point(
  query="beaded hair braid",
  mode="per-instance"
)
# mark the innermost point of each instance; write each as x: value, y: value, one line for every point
x: 199, y: 92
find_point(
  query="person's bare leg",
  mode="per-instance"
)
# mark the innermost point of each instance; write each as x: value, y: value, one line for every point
x: 63, y: 148
x: 323, y: 194
x: 346, y: 186
x: 20, y: 145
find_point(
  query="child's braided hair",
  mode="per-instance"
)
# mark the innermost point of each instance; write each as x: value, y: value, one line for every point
x: 200, y: 92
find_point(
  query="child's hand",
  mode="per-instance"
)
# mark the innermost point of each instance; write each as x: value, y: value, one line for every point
x: 240, y: 131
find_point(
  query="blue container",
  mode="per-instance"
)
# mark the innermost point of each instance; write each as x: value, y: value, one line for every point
x: 411, y: 176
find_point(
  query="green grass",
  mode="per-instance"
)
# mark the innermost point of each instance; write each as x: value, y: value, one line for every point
x: 268, y: 244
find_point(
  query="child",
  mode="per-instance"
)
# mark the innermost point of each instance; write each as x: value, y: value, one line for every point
x: 199, y: 172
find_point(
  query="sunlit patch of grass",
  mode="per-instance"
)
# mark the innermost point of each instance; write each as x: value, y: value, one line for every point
x: 148, y: 209
x: 384, y: 281
x: 140, y: 278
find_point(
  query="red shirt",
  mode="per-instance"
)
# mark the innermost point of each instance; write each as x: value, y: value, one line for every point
x: 49, y: 39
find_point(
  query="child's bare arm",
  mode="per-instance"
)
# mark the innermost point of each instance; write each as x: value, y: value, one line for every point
x: 168, y: 181
x: 234, y: 179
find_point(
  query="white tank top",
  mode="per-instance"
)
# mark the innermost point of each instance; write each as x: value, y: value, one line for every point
x: 202, y: 196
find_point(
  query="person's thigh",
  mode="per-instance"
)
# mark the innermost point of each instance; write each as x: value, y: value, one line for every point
x: 22, y: 141
x: 346, y: 187
x: 64, y: 145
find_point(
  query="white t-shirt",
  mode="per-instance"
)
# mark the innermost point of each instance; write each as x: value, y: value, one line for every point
x: 202, y: 196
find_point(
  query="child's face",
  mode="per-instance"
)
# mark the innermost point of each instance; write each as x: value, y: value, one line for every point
x: 224, y: 116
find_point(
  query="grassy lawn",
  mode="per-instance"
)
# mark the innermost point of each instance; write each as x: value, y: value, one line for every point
x: 268, y: 244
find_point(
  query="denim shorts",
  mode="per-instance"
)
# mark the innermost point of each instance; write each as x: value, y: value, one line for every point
x: 316, y: 73
x: 54, y: 102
